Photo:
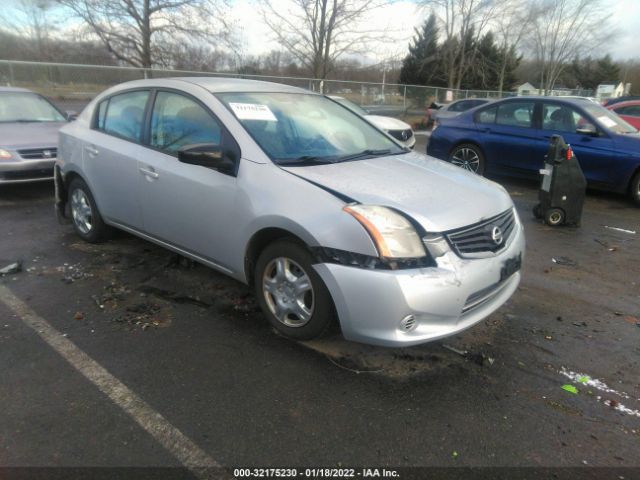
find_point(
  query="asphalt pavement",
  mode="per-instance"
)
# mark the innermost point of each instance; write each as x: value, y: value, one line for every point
x: 126, y: 355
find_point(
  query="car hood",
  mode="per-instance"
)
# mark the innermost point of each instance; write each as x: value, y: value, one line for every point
x: 387, y: 123
x: 29, y: 135
x: 436, y: 194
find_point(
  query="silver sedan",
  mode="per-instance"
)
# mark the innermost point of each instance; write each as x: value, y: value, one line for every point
x: 29, y: 126
x: 327, y: 217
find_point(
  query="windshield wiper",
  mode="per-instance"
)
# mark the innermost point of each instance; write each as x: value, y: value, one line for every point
x: 365, y: 154
x: 306, y: 160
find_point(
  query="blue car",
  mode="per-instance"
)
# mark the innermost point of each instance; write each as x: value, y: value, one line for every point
x: 511, y: 137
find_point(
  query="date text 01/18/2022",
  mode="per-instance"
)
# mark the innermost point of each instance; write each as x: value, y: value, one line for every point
x: 315, y: 473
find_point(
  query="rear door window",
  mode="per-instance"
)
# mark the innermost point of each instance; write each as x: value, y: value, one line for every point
x: 124, y: 115
x: 515, y: 114
x: 487, y: 116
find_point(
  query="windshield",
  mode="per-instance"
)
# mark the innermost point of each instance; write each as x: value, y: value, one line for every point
x: 27, y: 107
x: 351, y: 106
x: 296, y: 128
x: 608, y: 119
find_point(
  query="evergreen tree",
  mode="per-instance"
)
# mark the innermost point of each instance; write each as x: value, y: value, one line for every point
x: 422, y: 66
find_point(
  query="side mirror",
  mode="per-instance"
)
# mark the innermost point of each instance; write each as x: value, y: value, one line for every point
x: 207, y: 155
x: 71, y: 115
x: 587, y: 129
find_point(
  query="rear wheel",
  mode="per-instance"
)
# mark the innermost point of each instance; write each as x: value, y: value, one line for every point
x: 554, y: 217
x: 469, y: 157
x: 87, y: 221
x: 290, y: 292
x: 635, y: 189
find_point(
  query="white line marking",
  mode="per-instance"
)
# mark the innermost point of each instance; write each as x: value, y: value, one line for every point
x: 177, y: 443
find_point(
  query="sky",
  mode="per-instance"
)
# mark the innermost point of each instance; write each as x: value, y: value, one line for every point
x: 402, y: 16
x: 399, y: 19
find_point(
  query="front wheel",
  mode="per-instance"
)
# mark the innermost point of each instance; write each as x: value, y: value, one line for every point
x: 87, y: 221
x: 290, y: 292
x: 635, y: 189
x: 469, y: 157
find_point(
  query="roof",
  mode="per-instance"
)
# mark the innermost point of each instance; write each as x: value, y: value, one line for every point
x: 13, y: 89
x: 220, y: 84
x: 574, y: 100
x: 609, y: 84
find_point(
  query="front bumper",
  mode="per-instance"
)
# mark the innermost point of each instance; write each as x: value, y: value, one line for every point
x: 23, y: 171
x: 444, y: 300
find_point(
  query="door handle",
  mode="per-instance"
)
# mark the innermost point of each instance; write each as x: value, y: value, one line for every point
x: 149, y: 173
x: 91, y: 150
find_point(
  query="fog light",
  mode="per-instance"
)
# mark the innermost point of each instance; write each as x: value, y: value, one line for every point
x: 408, y: 323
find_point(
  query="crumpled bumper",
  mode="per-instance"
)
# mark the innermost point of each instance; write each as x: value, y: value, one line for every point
x: 443, y: 300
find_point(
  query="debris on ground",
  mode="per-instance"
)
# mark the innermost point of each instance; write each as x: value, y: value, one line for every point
x: 570, y: 389
x: 14, y: 267
x: 462, y: 353
x: 618, y: 229
x: 78, y: 316
x: 564, y: 261
x: 631, y: 319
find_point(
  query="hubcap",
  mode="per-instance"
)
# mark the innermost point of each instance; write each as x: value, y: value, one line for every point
x: 288, y: 292
x: 466, y: 158
x: 81, y: 211
x: 555, y: 217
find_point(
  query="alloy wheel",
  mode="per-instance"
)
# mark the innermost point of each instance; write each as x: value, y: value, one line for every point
x: 288, y: 292
x: 466, y: 158
x: 81, y: 211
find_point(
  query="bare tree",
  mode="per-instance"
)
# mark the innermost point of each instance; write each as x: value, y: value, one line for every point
x: 565, y: 29
x: 512, y: 24
x: 140, y: 33
x: 463, y: 22
x: 318, y: 32
x: 33, y: 19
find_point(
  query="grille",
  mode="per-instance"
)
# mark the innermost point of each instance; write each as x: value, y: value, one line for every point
x: 38, y: 153
x: 481, y: 238
x: 402, y: 135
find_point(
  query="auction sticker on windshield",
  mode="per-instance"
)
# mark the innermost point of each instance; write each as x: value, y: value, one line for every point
x: 252, y: 111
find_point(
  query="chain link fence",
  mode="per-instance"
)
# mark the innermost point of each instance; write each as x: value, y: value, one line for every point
x: 82, y: 82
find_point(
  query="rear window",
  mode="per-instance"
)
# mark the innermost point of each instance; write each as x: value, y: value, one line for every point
x: 515, y: 114
x: 631, y: 110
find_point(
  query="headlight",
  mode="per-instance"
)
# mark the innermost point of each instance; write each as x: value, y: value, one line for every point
x: 393, y: 234
x: 4, y: 154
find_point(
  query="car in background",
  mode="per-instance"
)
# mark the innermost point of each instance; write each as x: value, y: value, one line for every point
x: 324, y: 215
x: 612, y: 101
x: 456, y: 108
x: 398, y: 129
x: 29, y: 126
x: 629, y: 111
x: 511, y: 137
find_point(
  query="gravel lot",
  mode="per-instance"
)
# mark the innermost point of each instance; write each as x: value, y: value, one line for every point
x: 192, y: 344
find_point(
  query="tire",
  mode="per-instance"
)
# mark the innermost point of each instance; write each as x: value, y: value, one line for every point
x: 554, y: 217
x: 635, y: 189
x: 85, y: 216
x: 301, y: 315
x: 537, y: 211
x: 469, y: 157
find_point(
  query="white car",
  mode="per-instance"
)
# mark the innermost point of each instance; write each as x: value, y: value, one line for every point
x: 398, y: 129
